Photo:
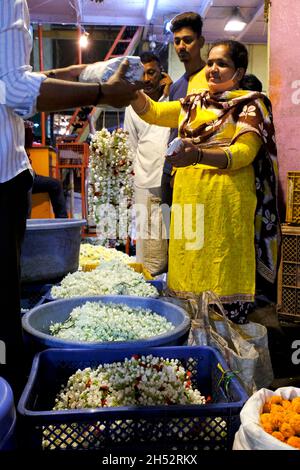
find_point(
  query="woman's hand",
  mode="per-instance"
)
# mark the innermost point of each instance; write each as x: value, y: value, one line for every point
x: 187, y: 156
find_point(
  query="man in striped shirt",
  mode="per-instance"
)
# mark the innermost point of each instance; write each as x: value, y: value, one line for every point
x: 22, y: 93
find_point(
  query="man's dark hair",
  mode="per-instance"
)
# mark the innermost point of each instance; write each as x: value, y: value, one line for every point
x: 237, y: 51
x: 188, y: 19
x: 251, y: 82
x: 148, y: 56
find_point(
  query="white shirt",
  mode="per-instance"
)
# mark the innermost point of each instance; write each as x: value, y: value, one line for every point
x: 19, y: 86
x: 149, y: 143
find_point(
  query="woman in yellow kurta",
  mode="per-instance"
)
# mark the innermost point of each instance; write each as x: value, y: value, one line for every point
x: 224, y: 225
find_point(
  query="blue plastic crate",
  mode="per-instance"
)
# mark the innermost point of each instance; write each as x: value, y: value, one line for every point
x: 33, y: 295
x: 176, y: 427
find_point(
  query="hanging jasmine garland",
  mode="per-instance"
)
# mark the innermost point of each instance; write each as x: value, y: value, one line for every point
x: 110, y: 184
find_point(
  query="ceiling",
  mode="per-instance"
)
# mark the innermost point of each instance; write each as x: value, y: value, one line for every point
x: 132, y: 12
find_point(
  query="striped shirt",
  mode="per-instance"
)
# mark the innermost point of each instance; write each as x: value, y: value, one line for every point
x: 19, y: 86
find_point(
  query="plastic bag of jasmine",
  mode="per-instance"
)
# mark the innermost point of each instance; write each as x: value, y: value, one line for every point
x: 102, y: 71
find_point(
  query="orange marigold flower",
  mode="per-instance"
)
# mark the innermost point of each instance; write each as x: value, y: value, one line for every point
x: 295, y: 422
x: 294, y: 441
x: 276, y: 408
x: 276, y: 399
x: 296, y: 404
x: 287, y: 430
x: 265, y: 419
x: 277, y: 419
x: 278, y: 435
x: 268, y: 428
x: 296, y: 400
x: 286, y: 404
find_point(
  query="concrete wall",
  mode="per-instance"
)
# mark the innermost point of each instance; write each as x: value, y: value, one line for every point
x: 284, y: 86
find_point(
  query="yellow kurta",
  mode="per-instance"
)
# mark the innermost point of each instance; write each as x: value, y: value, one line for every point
x: 212, y: 224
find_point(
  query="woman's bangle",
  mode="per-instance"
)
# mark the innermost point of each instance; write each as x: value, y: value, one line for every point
x: 199, y: 156
x: 228, y: 156
x: 139, y: 108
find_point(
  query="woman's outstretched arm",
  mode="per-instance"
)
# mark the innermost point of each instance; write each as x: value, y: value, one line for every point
x: 161, y: 113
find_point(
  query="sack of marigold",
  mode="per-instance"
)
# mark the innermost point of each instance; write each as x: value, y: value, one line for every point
x: 270, y: 421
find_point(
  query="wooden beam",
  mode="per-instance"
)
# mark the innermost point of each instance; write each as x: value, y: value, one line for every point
x: 105, y: 35
x: 205, y: 6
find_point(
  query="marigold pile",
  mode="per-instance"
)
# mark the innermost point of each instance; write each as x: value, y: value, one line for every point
x: 281, y: 419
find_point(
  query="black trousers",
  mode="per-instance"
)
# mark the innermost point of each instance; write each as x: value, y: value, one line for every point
x: 13, y: 212
x: 166, y: 190
x: 52, y: 186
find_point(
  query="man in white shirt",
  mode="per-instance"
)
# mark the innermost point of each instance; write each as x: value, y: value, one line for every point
x: 22, y: 93
x: 149, y: 143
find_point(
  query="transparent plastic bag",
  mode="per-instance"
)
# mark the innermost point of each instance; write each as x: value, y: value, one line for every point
x: 102, y: 71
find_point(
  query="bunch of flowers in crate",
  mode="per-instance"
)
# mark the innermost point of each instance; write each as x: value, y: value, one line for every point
x: 110, y: 184
x: 140, y: 380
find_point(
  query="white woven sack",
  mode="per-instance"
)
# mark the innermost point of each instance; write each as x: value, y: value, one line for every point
x: 251, y: 435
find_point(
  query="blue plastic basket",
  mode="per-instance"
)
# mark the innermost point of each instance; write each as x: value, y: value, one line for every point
x: 36, y: 323
x: 184, y: 428
x: 7, y: 417
x: 50, y: 249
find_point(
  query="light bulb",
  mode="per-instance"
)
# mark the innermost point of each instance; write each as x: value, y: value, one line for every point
x: 236, y: 22
x: 83, y: 41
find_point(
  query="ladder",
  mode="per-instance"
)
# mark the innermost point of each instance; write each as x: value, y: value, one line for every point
x: 124, y: 44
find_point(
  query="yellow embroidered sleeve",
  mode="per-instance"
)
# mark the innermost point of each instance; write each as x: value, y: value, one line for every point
x: 243, y: 151
x: 163, y: 114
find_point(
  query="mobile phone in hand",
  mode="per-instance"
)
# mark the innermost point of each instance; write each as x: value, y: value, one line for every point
x: 175, y: 146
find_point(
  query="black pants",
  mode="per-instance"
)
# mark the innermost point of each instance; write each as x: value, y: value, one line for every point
x: 13, y: 212
x: 52, y: 186
x: 166, y: 200
x: 166, y: 190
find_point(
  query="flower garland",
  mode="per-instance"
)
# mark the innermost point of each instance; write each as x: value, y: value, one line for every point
x: 110, y: 184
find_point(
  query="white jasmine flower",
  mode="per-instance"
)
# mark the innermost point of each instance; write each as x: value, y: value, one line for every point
x: 110, y: 278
